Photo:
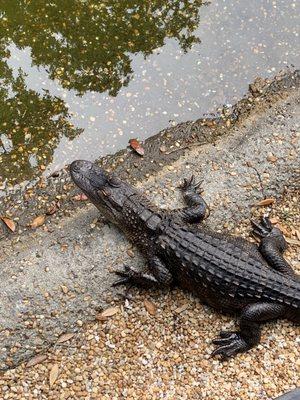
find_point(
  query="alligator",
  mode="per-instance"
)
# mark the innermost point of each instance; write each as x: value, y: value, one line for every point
x: 228, y: 273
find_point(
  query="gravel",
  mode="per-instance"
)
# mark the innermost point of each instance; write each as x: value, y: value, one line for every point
x: 157, y: 345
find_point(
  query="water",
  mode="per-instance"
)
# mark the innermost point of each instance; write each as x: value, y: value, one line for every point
x: 79, y: 78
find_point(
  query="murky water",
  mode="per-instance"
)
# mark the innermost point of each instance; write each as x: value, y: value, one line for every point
x: 79, y: 78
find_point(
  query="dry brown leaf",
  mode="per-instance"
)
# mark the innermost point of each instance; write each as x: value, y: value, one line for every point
x: 80, y: 197
x: 53, y: 375
x: 9, y: 223
x: 136, y: 146
x: 109, y: 312
x: 36, y: 360
x: 150, y: 307
x: 266, y: 202
x: 182, y: 308
x: 293, y: 241
x: 53, y: 208
x: 210, y: 123
x: 38, y: 221
x: 65, y: 337
x: 130, y: 253
x: 274, y: 220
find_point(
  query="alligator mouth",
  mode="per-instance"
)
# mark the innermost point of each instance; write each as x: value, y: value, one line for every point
x: 87, y: 176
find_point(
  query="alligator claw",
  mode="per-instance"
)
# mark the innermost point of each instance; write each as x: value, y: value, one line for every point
x: 190, y: 184
x: 125, y: 274
x: 229, y: 344
x: 262, y: 229
x: 226, y: 334
x: 122, y: 281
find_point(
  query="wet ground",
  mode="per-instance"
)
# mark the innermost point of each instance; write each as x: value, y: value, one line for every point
x: 79, y: 79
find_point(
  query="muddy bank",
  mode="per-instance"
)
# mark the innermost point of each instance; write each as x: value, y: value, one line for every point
x: 55, y: 278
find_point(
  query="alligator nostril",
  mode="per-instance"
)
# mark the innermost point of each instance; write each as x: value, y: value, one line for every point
x: 76, y: 166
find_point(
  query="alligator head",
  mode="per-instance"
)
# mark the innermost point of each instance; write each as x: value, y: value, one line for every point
x: 105, y: 190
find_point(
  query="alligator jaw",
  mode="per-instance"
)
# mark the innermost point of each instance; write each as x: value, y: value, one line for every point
x: 87, y: 176
x: 104, y: 190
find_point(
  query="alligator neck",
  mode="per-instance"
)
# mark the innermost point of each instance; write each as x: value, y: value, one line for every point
x: 141, y: 218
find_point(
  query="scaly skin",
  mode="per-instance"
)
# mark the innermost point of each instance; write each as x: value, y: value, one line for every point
x: 228, y: 273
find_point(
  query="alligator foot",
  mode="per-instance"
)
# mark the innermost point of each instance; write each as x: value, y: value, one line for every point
x: 272, y: 245
x: 262, y: 229
x: 196, y: 209
x: 132, y: 277
x: 191, y: 185
x: 229, y: 344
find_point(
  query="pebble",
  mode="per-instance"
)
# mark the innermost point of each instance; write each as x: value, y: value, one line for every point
x: 134, y: 355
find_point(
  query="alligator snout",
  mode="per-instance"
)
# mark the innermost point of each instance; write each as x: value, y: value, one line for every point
x: 87, y: 175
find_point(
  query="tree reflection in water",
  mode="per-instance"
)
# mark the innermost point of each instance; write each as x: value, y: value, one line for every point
x: 86, y: 45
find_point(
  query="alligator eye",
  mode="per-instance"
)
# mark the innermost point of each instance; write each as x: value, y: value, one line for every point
x: 114, y: 181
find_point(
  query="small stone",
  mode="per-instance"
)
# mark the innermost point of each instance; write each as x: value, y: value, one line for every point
x: 64, y: 289
x: 271, y: 157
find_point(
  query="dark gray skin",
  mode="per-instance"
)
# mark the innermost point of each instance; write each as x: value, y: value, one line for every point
x: 228, y: 273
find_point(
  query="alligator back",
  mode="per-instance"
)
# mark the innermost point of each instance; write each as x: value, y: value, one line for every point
x: 226, y: 267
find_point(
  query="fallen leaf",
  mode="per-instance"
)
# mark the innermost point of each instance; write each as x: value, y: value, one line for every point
x: 274, y: 220
x: 53, y: 208
x: 182, y: 308
x: 130, y: 253
x: 53, y: 375
x: 293, y: 241
x: 80, y: 197
x: 210, y: 123
x: 109, y: 312
x: 36, y: 360
x: 65, y: 337
x: 150, y: 307
x: 9, y: 223
x: 266, y: 202
x: 136, y: 146
x: 38, y: 221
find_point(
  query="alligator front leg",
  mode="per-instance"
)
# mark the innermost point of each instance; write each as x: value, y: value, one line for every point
x: 272, y: 245
x: 231, y: 343
x: 197, y: 208
x: 160, y: 275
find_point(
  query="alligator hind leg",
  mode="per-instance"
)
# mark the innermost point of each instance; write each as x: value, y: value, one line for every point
x: 159, y: 277
x: 231, y: 343
x: 272, y: 245
x: 197, y: 208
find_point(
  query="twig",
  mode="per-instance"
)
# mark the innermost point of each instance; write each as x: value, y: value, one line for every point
x: 259, y: 179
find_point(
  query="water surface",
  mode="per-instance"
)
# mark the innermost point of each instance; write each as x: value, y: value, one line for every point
x: 79, y: 78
